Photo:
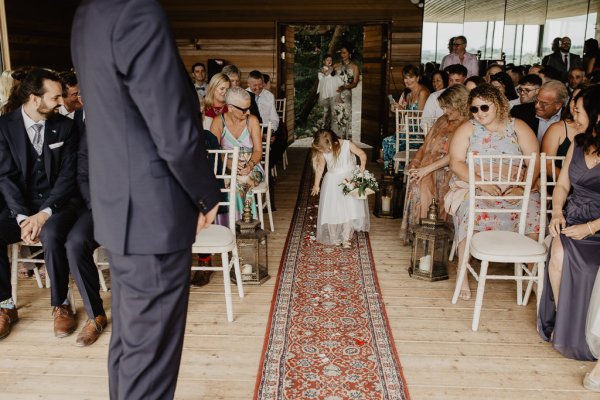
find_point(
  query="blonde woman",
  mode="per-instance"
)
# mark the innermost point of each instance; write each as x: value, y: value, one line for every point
x: 6, y: 84
x: 428, y: 171
x: 214, y: 101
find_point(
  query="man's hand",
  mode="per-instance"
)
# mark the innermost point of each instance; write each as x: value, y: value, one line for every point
x: 32, y: 226
x: 204, y: 221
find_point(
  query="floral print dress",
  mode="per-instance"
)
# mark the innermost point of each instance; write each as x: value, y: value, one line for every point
x: 341, y: 122
x: 485, y: 142
x: 389, y: 143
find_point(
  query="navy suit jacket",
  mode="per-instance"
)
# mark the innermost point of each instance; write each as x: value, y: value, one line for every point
x: 59, y: 162
x: 555, y: 60
x: 148, y: 168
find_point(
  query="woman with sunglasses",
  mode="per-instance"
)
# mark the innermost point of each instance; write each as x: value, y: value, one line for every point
x: 238, y: 128
x: 575, y: 250
x: 491, y: 130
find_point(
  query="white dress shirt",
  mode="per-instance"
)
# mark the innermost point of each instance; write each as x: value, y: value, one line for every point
x: 432, y: 109
x: 470, y: 62
x: 62, y: 110
x: 31, y: 133
x: 545, y: 124
x: 266, y: 107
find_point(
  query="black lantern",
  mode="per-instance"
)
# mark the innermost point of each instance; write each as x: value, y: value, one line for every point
x: 252, y: 252
x: 389, y: 199
x: 430, y: 248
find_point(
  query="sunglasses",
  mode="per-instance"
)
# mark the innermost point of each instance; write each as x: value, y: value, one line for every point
x: 243, y: 110
x: 483, y: 107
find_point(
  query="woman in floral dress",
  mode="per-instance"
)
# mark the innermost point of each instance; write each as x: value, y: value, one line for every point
x: 341, y: 121
x: 428, y: 171
x: 490, y: 131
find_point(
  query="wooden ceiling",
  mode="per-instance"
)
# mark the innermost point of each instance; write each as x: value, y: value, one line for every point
x: 530, y: 12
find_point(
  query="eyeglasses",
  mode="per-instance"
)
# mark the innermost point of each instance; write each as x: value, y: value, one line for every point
x: 483, y: 107
x: 544, y: 104
x: 526, y: 91
x: 243, y: 110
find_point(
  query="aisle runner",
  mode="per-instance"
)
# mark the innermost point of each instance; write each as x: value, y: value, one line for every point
x: 328, y: 336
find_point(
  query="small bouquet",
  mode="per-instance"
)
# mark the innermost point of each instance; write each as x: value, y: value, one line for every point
x: 360, y: 184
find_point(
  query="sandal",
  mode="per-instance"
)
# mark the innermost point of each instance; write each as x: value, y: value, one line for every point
x: 346, y: 244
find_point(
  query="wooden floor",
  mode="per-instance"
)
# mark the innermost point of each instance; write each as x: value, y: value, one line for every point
x: 442, y: 358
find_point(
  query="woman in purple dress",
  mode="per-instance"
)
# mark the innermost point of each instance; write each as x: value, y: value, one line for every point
x: 575, y: 251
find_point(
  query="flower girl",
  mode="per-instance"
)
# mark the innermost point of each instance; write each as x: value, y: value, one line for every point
x: 339, y: 215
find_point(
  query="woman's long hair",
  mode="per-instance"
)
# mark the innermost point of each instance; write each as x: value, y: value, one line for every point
x: 215, y: 81
x: 324, y: 141
x: 591, y: 105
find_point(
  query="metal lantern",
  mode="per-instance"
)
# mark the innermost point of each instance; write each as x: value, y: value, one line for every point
x: 252, y: 252
x: 389, y: 199
x: 429, y: 259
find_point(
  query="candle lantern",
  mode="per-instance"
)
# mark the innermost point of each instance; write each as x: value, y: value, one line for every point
x: 430, y: 248
x: 252, y: 252
x: 389, y: 199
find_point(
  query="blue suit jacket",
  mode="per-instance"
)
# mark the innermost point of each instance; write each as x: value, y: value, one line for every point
x: 60, y: 162
x: 149, y: 173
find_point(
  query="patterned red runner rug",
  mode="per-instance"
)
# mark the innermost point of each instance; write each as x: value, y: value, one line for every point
x: 328, y: 335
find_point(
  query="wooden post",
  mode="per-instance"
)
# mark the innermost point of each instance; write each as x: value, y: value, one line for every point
x: 4, y: 38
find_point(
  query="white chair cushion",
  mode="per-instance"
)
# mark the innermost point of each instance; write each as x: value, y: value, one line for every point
x: 504, y: 243
x: 214, y: 236
x: 399, y: 156
x: 261, y: 187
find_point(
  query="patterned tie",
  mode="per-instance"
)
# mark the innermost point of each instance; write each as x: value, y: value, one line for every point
x: 37, y: 138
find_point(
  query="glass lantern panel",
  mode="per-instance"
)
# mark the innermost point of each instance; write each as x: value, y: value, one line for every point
x: 262, y: 252
x: 247, y: 255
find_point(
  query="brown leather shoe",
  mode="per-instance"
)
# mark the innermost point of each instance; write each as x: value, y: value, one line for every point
x: 64, y: 321
x: 8, y: 317
x: 91, y: 331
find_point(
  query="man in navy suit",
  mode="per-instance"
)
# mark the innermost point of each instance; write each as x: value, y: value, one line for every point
x: 563, y: 60
x: 38, y: 150
x: 150, y: 181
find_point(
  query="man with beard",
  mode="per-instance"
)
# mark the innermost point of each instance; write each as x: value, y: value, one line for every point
x: 38, y: 150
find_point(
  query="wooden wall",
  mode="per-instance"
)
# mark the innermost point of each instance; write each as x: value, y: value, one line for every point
x: 39, y: 32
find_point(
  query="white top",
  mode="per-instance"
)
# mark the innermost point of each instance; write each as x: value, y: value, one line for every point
x: 266, y: 106
x: 432, y: 109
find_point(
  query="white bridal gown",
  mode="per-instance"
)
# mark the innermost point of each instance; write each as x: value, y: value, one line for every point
x: 340, y: 215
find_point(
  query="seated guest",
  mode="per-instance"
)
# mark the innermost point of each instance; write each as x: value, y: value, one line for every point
x: 439, y: 80
x: 428, y: 170
x: 529, y: 86
x: 560, y: 135
x: 38, y: 156
x: 573, y: 262
x: 535, y: 69
x: 490, y: 131
x: 515, y: 72
x: 545, y: 110
x: 6, y: 84
x: 80, y: 247
x: 235, y: 76
x: 413, y: 97
x: 549, y: 73
x: 268, y: 113
x: 199, y: 78
x: 456, y: 75
x: 214, y: 101
x: 474, y: 81
x: 576, y: 77
x: 505, y: 84
x: 237, y: 128
x: 71, y: 97
x: 492, y: 69
x: 266, y: 82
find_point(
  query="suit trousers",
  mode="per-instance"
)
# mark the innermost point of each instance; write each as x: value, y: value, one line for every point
x: 53, y: 237
x: 80, y: 247
x: 149, y: 306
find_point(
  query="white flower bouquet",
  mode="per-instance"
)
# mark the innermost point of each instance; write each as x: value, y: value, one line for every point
x: 360, y: 184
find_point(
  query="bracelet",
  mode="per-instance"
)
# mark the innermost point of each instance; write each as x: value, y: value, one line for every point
x: 590, y: 228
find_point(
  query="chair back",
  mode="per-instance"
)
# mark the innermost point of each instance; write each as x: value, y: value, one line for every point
x: 225, y: 166
x: 545, y: 181
x: 409, y: 123
x: 504, y: 171
x: 280, y: 108
x: 266, y: 131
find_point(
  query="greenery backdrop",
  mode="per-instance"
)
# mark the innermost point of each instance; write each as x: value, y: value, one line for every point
x: 312, y: 43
